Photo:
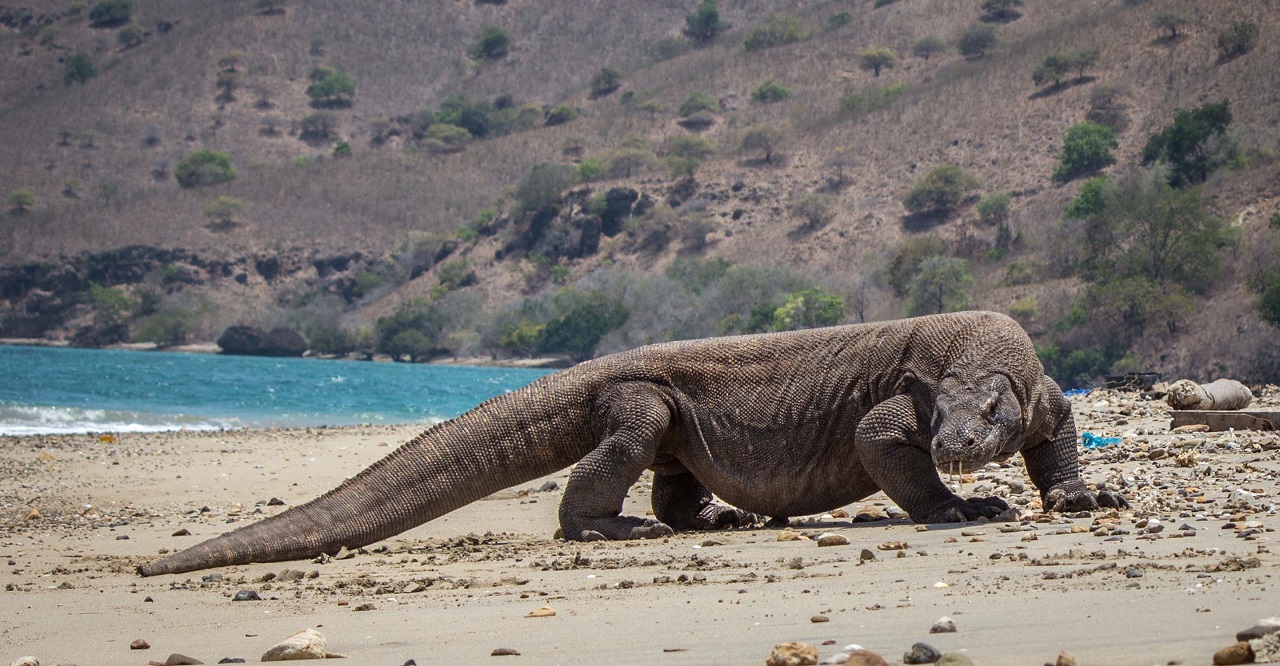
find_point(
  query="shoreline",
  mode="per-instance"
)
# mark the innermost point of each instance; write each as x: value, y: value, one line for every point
x: 212, y: 348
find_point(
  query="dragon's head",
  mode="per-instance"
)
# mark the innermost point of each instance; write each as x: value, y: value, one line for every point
x: 975, y: 422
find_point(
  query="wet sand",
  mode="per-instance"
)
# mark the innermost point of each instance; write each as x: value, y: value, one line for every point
x: 454, y: 590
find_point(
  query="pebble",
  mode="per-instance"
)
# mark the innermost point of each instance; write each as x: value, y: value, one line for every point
x: 1240, y: 653
x: 1066, y: 659
x: 792, y: 654
x: 944, y: 625
x: 305, y: 644
x: 366, y: 607
x: 1266, y: 650
x: 25, y: 661
x: 546, y: 488
x: 247, y: 595
x: 505, y: 652
x: 829, y: 539
x: 1257, y: 631
x: 291, y: 575
x: 212, y: 578
x: 176, y: 659
x: 819, y: 618
x: 275, y: 501
x: 545, y: 611
x: 231, y: 660
x: 139, y: 644
x: 789, y: 535
x: 921, y: 653
x: 954, y: 659
x: 1133, y: 572
x: 182, y: 532
x: 33, y: 515
x: 893, y: 545
x: 867, y: 554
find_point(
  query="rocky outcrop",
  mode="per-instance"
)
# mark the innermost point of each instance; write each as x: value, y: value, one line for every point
x: 244, y: 340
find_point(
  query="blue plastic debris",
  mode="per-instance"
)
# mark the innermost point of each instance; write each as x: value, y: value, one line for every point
x: 1071, y: 392
x: 1092, y: 441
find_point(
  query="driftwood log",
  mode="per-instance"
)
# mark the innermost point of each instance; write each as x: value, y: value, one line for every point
x: 1220, y: 394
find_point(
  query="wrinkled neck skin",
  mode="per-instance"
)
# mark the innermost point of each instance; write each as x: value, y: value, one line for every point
x: 981, y: 413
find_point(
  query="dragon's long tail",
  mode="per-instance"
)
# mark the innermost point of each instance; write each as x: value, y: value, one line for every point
x: 508, y: 440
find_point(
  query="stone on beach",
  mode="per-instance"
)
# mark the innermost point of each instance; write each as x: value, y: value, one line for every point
x: 793, y: 654
x: 305, y: 644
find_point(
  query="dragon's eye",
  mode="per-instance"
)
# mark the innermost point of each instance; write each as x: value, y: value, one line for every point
x: 989, y: 407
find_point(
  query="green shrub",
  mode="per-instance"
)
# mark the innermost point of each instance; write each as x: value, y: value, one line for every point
x: 492, y: 44
x: 589, y: 170
x: 777, y: 29
x: 624, y: 162
x: 977, y: 40
x: 763, y: 138
x: 584, y: 319
x: 939, y: 285
x: 204, y: 167
x: 839, y: 20
x: 907, y: 258
x: 1238, y: 39
x: 698, y: 101
x: 817, y: 210
x: 1052, y: 68
x: 226, y: 211
x: 691, y: 145
x: 444, y: 138
x: 561, y: 114
x: 703, y: 24
x: 319, y: 126
x: 22, y: 199
x: 605, y: 81
x: 993, y: 209
x: 770, y: 91
x: 342, y: 149
x: 1091, y: 200
x: 170, y: 325
x: 667, y: 48
x: 131, y: 35
x: 1001, y: 10
x: 1022, y: 272
x: 940, y: 191
x: 1086, y: 148
x: 541, y: 187
x: 872, y: 99
x: 78, y: 68
x: 1187, y: 144
x: 111, y: 305
x: 1269, y: 300
x: 809, y: 308
x: 110, y: 12
x: 334, y: 87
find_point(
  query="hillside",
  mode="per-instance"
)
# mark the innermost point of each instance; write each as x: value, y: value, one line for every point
x: 439, y: 229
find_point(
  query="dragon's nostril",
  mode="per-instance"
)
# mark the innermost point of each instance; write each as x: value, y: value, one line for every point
x: 970, y: 442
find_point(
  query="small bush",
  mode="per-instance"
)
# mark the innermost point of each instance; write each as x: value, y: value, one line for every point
x: 1086, y: 148
x: 1238, y: 39
x: 606, y: 81
x: 939, y: 285
x: 817, y: 210
x: 703, y: 24
x: 777, y: 29
x: 1001, y: 10
x: 770, y: 91
x: 977, y: 40
x: 1052, y: 69
x: 1091, y: 200
x: 541, y: 187
x: 1269, y: 301
x: 940, y: 191
x: 78, y: 68
x: 561, y: 114
x: 225, y: 212
x: 1171, y: 21
x: 1107, y: 107
x: 993, y: 209
x: 204, y: 167
x: 698, y: 101
x: 22, y: 199
x: 342, y: 149
x: 691, y: 145
x: 926, y: 47
x: 762, y: 138
x: 872, y: 99
x: 1186, y: 145
x: 131, y: 35
x: 492, y: 44
x: 319, y: 126
x: 839, y: 20
x: 334, y: 87
x: 876, y: 59
x: 907, y: 258
x: 589, y: 170
x: 108, y: 13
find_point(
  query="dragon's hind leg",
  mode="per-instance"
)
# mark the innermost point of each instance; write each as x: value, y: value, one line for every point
x: 682, y: 502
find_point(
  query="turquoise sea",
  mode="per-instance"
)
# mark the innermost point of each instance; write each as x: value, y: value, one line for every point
x: 60, y: 390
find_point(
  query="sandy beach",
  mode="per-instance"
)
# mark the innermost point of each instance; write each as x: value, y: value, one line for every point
x: 1169, y: 582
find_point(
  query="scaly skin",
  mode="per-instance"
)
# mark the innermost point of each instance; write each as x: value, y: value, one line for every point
x: 779, y: 424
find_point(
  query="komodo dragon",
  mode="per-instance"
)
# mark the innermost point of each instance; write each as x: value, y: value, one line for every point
x: 777, y: 424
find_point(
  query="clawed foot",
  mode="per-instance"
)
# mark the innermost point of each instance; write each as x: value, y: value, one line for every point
x: 962, y: 511
x: 619, y: 528
x: 1076, y: 497
x: 718, y: 517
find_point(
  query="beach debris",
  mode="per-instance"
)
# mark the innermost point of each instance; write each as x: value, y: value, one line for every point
x: 1190, y: 428
x: 1065, y: 659
x: 290, y: 575
x: 792, y: 654
x: 545, y: 611
x: 365, y: 607
x: 954, y: 659
x: 246, y: 595
x: 176, y: 659
x: 921, y: 653
x: 1220, y: 394
x: 817, y: 619
x: 791, y: 535
x: 139, y: 644
x: 867, y: 554
x: 546, y: 488
x: 1092, y: 441
x: 25, y: 661
x: 231, y: 660
x: 1238, y: 653
x: 893, y: 545
x: 182, y: 532
x: 275, y: 501
x: 830, y: 539
x: 45, y: 457
x: 1266, y: 649
x: 861, y: 657
x: 504, y: 652
x: 305, y: 644
x: 944, y: 625
x: 33, y: 515
x: 1264, y: 626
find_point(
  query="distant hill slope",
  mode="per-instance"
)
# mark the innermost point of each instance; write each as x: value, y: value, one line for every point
x: 100, y: 155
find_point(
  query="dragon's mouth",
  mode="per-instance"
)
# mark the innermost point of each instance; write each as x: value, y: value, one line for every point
x: 957, y: 466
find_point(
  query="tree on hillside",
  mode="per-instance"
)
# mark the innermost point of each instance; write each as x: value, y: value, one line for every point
x: 492, y: 44
x: 763, y: 138
x: 1171, y: 20
x: 22, y: 199
x: 925, y: 47
x: 318, y: 126
x: 606, y: 81
x: 940, y: 191
x: 1052, y: 68
x: 333, y: 87
x: 769, y: 92
x: 1082, y: 60
x: 1086, y: 148
x: 110, y: 13
x: 204, y: 167
x: 977, y: 40
x: 878, y: 58
x: 940, y: 285
x: 907, y: 259
x: 703, y: 24
x: 541, y: 187
x: 131, y: 35
x: 698, y: 101
x: 1001, y: 10
x: 1188, y: 145
x: 776, y: 29
x: 78, y: 68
